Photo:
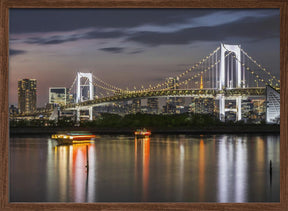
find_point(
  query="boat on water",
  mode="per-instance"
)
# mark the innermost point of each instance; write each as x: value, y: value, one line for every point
x: 142, y: 133
x: 73, y: 137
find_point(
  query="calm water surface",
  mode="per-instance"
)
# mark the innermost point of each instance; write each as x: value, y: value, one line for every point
x: 164, y: 168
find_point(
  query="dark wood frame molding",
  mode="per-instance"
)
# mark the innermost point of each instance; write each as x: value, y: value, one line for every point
x: 5, y: 5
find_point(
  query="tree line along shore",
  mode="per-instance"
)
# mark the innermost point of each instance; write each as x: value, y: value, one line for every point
x: 157, y: 123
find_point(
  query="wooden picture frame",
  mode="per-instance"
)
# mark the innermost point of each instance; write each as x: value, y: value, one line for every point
x: 5, y: 5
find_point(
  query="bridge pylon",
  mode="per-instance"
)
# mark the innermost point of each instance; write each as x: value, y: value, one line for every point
x: 82, y: 93
x: 82, y: 84
x: 226, y: 78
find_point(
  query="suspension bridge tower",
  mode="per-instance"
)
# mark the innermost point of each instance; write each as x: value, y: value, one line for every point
x: 84, y: 81
x: 84, y: 91
x: 230, y: 76
x: 226, y: 69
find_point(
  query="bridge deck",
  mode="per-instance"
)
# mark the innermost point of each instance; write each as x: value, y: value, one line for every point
x: 252, y: 91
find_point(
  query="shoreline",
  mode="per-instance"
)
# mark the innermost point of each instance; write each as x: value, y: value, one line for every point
x: 127, y: 131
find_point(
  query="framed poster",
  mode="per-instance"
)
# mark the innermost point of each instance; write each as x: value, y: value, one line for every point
x: 141, y: 105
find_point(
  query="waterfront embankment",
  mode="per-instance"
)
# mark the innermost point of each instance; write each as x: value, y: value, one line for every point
x: 221, y: 129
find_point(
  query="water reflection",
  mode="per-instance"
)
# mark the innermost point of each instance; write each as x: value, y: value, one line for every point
x: 181, y: 169
x: 225, y: 168
x: 241, y: 171
x: 222, y: 172
x: 232, y: 174
x: 71, y: 173
x: 201, y: 169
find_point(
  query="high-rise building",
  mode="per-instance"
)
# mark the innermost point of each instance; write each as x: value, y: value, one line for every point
x: 259, y: 110
x: 152, y: 104
x: 247, y: 108
x: 202, y: 106
x: 173, y: 102
x: 58, y: 95
x: 136, y: 106
x: 27, y: 95
x: 272, y: 105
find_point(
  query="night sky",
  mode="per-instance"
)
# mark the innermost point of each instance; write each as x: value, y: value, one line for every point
x: 130, y: 47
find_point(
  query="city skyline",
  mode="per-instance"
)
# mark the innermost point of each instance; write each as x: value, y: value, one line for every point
x: 128, y: 51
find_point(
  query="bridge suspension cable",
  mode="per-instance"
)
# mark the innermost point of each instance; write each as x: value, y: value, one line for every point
x: 69, y: 91
x: 105, y: 88
x: 190, y: 78
x: 202, y: 72
x: 107, y: 84
x: 112, y: 88
x: 184, y: 73
x: 262, y: 68
x: 257, y: 76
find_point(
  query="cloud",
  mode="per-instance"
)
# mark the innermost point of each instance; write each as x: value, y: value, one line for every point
x: 14, y: 52
x: 52, y: 40
x: 136, y: 51
x: 48, y: 20
x: 40, y: 39
x: 97, y: 34
x: 243, y: 29
x: 63, y: 20
x: 199, y: 25
x: 112, y: 50
x: 121, y: 50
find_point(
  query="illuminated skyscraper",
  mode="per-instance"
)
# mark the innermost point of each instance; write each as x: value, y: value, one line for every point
x: 259, y: 110
x: 27, y: 95
x: 136, y: 106
x: 247, y: 108
x: 202, y: 105
x: 173, y: 102
x: 273, y: 105
x: 152, y: 104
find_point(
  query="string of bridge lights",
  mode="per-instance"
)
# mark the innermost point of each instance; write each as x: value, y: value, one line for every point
x: 184, y: 73
x: 187, y: 80
x: 114, y: 88
x: 258, y: 77
x: 102, y: 87
x: 107, y: 84
x: 95, y: 84
x: 262, y: 68
x: 105, y: 88
x: 201, y: 73
x: 72, y: 85
x: 201, y: 62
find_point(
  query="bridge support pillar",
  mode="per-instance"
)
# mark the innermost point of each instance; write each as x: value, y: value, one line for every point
x: 78, y: 114
x: 238, y: 107
x: 91, y: 113
x: 222, y: 107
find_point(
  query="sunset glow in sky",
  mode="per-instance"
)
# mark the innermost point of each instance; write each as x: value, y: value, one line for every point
x: 129, y: 47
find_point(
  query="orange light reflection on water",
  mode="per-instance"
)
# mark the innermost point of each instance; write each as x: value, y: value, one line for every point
x: 146, y: 157
x: 145, y: 145
x: 201, y: 169
x: 71, y: 162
